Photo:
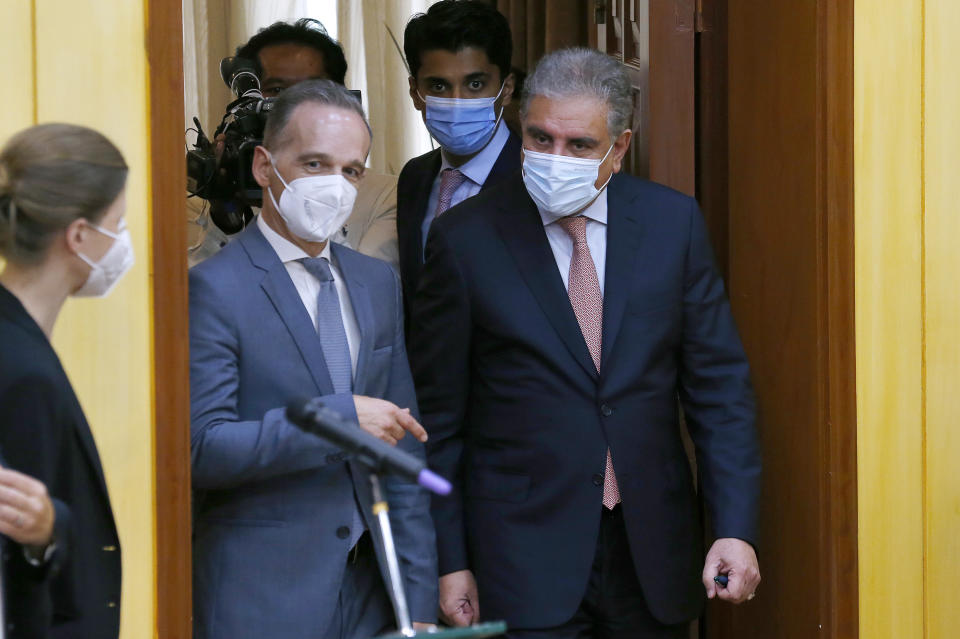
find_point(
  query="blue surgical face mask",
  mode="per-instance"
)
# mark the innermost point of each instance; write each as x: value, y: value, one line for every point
x: 462, y: 126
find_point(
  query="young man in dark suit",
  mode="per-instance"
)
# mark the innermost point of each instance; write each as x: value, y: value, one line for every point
x: 458, y: 53
x: 559, y: 317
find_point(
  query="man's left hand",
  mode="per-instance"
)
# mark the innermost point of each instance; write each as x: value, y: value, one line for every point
x: 737, y: 560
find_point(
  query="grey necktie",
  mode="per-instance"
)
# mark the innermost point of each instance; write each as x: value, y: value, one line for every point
x: 333, y: 337
x: 336, y: 350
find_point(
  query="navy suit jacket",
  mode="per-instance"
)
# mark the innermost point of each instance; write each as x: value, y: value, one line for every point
x: 413, y: 194
x: 44, y: 434
x: 520, y: 418
x: 274, y: 504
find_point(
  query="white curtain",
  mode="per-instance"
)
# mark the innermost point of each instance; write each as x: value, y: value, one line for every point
x: 377, y: 69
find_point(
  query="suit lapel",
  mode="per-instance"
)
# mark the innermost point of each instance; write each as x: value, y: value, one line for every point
x: 362, y: 310
x: 508, y: 162
x: 279, y: 288
x: 521, y: 229
x: 422, y: 189
x: 624, y: 232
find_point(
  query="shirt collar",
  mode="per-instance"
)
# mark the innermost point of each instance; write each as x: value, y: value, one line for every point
x: 477, y: 168
x: 286, y: 250
x: 596, y: 211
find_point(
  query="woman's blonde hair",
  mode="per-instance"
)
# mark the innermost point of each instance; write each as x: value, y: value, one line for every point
x: 51, y: 175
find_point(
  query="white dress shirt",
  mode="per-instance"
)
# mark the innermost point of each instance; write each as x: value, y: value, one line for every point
x: 476, y: 170
x: 309, y: 287
x: 562, y: 244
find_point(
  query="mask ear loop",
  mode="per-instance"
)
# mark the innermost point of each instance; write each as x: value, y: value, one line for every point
x: 604, y: 159
x: 273, y: 165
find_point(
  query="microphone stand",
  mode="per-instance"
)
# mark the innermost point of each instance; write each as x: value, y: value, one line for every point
x: 397, y: 595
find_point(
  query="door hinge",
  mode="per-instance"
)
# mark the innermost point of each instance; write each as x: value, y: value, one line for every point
x: 698, y: 25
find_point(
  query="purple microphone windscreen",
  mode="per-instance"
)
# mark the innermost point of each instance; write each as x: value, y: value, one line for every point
x: 434, y: 482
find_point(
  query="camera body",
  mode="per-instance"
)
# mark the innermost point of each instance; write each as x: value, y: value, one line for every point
x: 220, y: 171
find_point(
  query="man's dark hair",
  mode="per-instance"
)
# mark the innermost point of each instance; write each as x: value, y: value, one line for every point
x: 305, y: 31
x: 452, y: 25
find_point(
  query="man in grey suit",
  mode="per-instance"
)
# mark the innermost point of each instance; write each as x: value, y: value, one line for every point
x: 283, y: 546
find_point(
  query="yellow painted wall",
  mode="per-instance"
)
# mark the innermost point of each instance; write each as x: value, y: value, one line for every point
x: 942, y: 314
x: 90, y: 69
x: 907, y: 156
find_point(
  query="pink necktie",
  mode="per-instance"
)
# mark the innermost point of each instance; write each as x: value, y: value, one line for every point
x: 450, y: 181
x: 583, y: 288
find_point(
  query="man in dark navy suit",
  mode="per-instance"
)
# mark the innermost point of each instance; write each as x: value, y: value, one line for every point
x: 559, y: 317
x: 458, y: 53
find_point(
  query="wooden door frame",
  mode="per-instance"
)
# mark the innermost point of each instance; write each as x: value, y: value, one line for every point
x: 836, y: 427
x: 170, y: 320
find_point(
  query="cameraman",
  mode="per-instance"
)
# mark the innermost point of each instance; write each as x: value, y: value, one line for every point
x: 285, y: 54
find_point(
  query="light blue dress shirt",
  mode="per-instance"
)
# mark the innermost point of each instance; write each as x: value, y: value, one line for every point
x: 476, y: 169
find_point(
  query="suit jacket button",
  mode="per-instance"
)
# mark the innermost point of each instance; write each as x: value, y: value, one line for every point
x: 605, y: 410
x: 598, y: 480
x: 112, y: 604
x: 343, y: 532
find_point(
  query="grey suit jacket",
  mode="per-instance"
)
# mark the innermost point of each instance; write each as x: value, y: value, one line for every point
x: 273, y: 504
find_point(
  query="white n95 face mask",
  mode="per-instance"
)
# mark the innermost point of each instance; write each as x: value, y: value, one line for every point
x: 105, y: 273
x: 561, y: 185
x: 314, y: 207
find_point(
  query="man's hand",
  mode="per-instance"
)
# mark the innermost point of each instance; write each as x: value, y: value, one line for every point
x: 26, y: 512
x: 737, y: 560
x: 459, y: 605
x: 386, y: 421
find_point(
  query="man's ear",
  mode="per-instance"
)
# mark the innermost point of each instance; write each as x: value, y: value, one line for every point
x: 418, y: 103
x: 620, y: 148
x: 509, y: 84
x: 262, y: 169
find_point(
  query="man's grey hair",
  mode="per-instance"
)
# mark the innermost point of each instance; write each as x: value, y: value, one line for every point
x: 315, y: 91
x: 581, y: 72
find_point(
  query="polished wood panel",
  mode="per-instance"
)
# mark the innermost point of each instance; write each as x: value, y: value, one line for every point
x: 672, y: 94
x: 170, y: 328
x: 790, y: 248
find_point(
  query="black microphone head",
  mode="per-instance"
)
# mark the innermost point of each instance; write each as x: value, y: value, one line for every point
x: 299, y: 410
x: 240, y: 74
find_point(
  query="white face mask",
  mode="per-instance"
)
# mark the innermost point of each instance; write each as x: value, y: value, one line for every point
x: 105, y: 273
x: 562, y: 185
x: 314, y: 207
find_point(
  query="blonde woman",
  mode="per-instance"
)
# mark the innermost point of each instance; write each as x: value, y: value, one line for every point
x: 62, y: 234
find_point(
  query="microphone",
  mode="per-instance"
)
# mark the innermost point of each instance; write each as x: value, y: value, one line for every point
x: 312, y: 417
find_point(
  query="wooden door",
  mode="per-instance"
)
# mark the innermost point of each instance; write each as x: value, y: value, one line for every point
x: 750, y: 108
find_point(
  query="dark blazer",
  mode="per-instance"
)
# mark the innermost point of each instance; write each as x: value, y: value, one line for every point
x: 413, y: 193
x: 274, y: 504
x: 44, y: 434
x: 520, y: 418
